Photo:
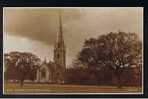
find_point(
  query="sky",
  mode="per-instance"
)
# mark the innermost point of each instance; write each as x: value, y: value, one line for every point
x: 35, y: 29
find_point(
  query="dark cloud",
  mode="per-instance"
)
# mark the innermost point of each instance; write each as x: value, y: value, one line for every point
x: 38, y: 24
x: 78, y: 24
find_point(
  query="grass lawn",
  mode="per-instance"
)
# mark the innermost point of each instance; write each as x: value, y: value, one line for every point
x: 52, y: 88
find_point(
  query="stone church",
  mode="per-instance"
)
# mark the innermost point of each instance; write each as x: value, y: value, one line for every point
x: 54, y: 72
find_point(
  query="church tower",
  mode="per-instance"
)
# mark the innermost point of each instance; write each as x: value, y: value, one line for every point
x: 59, y: 52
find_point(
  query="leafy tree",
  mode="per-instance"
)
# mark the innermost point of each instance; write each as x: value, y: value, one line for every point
x: 10, y: 70
x: 115, y: 51
x: 21, y: 65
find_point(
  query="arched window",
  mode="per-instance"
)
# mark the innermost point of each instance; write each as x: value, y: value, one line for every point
x: 58, y: 55
x: 58, y: 45
x: 43, y: 73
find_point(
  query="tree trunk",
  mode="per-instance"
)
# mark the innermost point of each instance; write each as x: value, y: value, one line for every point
x: 21, y: 83
x: 22, y: 79
x: 119, y: 85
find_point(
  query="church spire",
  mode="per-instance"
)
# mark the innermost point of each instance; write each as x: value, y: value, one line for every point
x: 59, y: 54
x: 59, y: 51
x: 60, y: 33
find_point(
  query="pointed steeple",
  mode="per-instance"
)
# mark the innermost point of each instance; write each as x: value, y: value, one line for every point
x: 60, y: 32
x: 59, y: 54
x: 59, y: 51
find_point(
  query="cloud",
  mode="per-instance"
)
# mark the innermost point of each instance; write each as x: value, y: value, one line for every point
x: 37, y: 24
x: 22, y: 44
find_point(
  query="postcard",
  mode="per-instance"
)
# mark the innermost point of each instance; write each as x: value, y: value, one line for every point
x: 83, y: 50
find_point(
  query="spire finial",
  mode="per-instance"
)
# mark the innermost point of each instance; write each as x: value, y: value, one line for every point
x: 60, y: 32
x: 60, y: 23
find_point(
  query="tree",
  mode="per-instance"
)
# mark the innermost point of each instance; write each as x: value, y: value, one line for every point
x: 21, y: 65
x: 115, y: 51
x: 10, y: 68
